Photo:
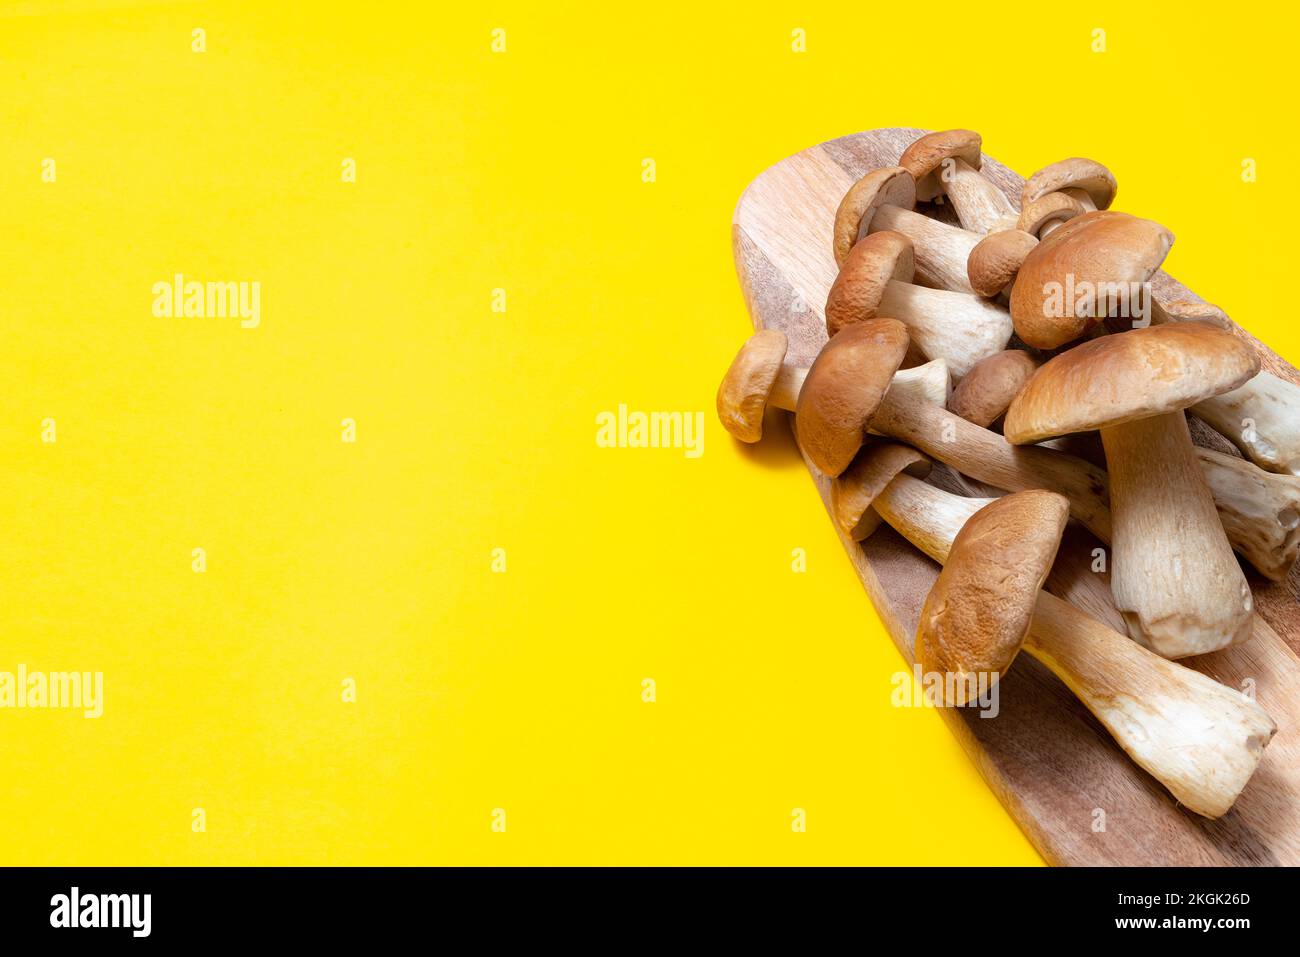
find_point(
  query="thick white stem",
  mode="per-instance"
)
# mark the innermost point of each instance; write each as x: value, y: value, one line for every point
x: 1173, y: 572
x: 981, y: 207
x: 1262, y: 418
x: 940, y: 250
x: 1197, y: 737
x: 1260, y: 511
x: 959, y: 327
x: 927, y: 384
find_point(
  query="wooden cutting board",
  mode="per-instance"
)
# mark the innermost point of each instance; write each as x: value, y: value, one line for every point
x: 1048, y: 760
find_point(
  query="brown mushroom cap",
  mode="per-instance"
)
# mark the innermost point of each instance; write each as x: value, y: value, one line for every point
x: 890, y: 186
x: 991, y: 384
x: 925, y: 156
x: 1046, y: 209
x: 742, y: 396
x: 1185, y: 309
x: 1075, y: 173
x: 843, y: 389
x: 996, y: 259
x: 871, y: 264
x: 1100, y: 251
x: 979, y: 611
x: 875, y: 467
x: 1129, y: 376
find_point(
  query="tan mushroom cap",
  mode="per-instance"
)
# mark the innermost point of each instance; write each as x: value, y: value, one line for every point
x: 924, y: 158
x: 1047, y: 209
x: 991, y: 384
x: 871, y: 264
x: 979, y: 611
x: 843, y: 389
x: 1185, y: 309
x: 1074, y: 173
x: 875, y: 467
x: 1100, y: 251
x: 890, y: 186
x: 996, y: 259
x: 1129, y: 376
x: 743, y: 394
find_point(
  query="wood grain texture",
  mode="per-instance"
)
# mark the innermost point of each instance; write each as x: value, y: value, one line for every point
x: 1048, y: 760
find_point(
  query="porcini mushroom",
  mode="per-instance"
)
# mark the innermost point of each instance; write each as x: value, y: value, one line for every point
x: 1092, y: 185
x: 1260, y: 511
x: 853, y: 492
x: 1198, y: 738
x: 994, y: 262
x: 1173, y: 571
x: 978, y: 611
x: 845, y: 385
x: 948, y: 162
x: 1044, y: 214
x: 876, y: 279
x: 1255, y: 514
x: 986, y: 391
x: 1262, y: 418
x: 751, y: 385
x: 888, y: 186
x: 1092, y: 267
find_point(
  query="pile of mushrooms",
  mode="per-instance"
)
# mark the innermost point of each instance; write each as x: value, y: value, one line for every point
x: 1042, y: 319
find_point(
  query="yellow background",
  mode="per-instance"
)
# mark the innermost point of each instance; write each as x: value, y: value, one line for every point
x: 476, y: 430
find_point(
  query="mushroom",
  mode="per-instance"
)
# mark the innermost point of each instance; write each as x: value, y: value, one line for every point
x: 845, y: 385
x: 888, y: 186
x: 994, y: 262
x: 948, y: 162
x: 913, y: 412
x: 1262, y: 418
x: 1173, y: 572
x: 1092, y: 267
x: 873, y: 469
x: 1045, y: 213
x: 883, y: 200
x: 1260, y: 511
x: 978, y: 611
x: 876, y: 279
x: 1084, y: 180
x: 986, y: 391
x: 756, y: 380
x: 1198, y: 738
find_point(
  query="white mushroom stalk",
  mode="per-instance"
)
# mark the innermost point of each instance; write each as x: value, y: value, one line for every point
x: 875, y: 279
x: 1262, y: 418
x: 1200, y: 739
x: 1259, y: 510
x: 941, y: 250
x: 948, y: 163
x: 1173, y: 572
x: 1256, y: 509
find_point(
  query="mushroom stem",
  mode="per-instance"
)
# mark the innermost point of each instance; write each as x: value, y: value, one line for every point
x: 1174, y: 576
x: 959, y: 327
x: 981, y: 207
x: 928, y: 383
x: 941, y: 250
x: 1082, y: 195
x: 1260, y: 511
x: 1262, y: 418
x: 1200, y: 739
x: 988, y: 457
